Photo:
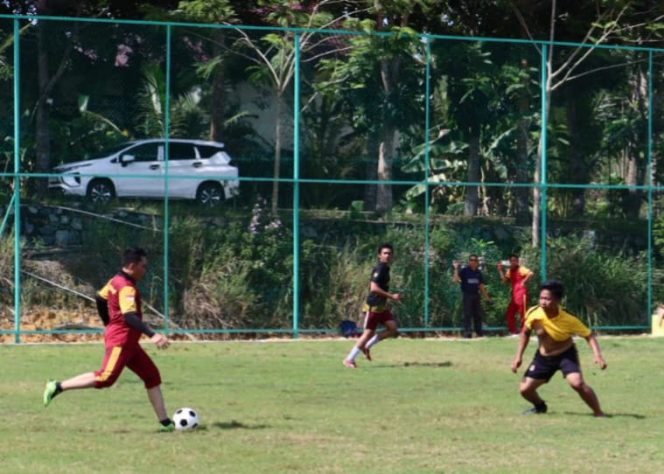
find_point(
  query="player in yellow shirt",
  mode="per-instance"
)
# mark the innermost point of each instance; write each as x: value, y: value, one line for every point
x: 554, y: 328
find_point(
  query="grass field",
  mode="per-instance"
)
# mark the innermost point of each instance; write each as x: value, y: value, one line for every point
x: 421, y: 406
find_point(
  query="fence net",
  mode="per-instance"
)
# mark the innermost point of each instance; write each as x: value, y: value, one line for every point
x: 260, y: 169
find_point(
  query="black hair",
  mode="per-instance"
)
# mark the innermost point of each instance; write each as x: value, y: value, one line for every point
x: 473, y: 255
x: 556, y: 288
x: 385, y: 246
x: 133, y: 255
x: 514, y: 256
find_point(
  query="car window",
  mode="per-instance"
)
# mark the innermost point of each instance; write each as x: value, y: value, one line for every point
x: 146, y: 152
x: 208, y: 151
x: 181, y: 151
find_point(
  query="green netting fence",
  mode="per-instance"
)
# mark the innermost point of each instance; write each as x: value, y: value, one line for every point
x: 340, y: 140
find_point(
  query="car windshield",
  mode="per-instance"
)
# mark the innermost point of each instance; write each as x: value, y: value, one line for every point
x: 108, y: 151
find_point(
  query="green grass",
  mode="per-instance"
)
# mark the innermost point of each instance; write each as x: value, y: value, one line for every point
x: 421, y: 406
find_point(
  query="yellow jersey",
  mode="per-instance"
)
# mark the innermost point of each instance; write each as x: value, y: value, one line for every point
x: 560, y: 328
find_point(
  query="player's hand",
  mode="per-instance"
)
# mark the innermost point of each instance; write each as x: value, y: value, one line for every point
x: 397, y: 297
x: 160, y: 341
x: 600, y: 362
x: 516, y: 363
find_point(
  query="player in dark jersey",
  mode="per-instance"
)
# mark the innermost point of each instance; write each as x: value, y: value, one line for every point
x: 119, y: 306
x: 375, y: 309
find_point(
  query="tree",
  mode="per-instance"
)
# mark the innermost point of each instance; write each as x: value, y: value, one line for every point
x: 273, y: 57
x: 600, y: 23
x: 213, y: 11
x: 381, y: 80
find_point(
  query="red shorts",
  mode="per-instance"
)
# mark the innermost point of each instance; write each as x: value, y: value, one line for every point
x: 374, y: 319
x: 132, y: 356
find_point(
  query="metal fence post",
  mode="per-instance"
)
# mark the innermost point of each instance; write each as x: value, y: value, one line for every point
x: 543, y: 164
x: 649, y: 169
x: 167, y: 220
x: 296, y: 192
x: 17, y: 183
x: 427, y: 150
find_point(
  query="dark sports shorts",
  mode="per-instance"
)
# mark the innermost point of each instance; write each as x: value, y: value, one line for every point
x: 374, y: 319
x: 543, y: 368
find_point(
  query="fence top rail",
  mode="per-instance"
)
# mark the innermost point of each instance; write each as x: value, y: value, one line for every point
x: 424, y: 37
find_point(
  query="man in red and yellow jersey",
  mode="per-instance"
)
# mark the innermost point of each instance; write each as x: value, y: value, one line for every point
x: 517, y: 275
x: 554, y: 328
x: 119, y: 306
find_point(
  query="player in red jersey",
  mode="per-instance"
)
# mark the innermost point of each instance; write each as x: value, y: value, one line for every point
x: 517, y: 275
x: 119, y: 306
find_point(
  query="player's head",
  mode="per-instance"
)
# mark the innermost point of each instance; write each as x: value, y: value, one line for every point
x: 514, y: 260
x: 551, y: 293
x: 385, y: 253
x: 135, y: 262
x: 473, y: 261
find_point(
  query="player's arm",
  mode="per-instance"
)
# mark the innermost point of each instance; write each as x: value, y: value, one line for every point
x: 130, y: 314
x: 485, y: 292
x: 102, y: 309
x: 597, y: 352
x: 503, y: 274
x: 380, y: 292
x: 455, y: 275
x: 527, y: 277
x: 101, y: 299
x: 524, y: 339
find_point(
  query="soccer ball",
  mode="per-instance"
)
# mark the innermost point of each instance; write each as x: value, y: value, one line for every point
x: 185, y: 419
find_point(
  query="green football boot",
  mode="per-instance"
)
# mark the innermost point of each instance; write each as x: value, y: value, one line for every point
x: 50, y: 391
x: 167, y: 428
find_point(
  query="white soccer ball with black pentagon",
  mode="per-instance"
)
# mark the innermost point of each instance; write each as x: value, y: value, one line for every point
x: 185, y: 419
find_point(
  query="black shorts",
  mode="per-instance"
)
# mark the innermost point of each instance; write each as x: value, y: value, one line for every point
x: 543, y: 368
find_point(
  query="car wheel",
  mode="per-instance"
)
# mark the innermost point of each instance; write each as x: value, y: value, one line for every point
x: 210, y: 194
x: 100, y: 191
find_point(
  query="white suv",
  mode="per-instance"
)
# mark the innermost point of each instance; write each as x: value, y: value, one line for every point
x: 138, y: 168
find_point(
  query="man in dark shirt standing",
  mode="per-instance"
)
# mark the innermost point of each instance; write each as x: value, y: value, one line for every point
x: 472, y: 283
x: 376, y: 309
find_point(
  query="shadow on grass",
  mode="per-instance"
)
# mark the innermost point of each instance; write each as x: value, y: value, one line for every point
x: 236, y: 425
x: 409, y: 365
x: 635, y: 416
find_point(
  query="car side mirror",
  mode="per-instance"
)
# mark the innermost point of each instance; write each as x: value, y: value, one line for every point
x: 126, y: 159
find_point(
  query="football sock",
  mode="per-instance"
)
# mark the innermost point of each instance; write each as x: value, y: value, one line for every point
x: 58, y: 389
x: 353, y: 353
x: 373, y: 341
x: 165, y: 422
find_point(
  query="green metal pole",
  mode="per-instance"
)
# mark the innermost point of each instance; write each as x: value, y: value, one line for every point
x: 427, y: 149
x: 543, y: 165
x: 167, y: 135
x: 650, y: 183
x: 296, y: 193
x: 17, y: 183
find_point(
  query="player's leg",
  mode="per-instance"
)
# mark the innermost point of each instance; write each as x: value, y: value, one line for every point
x: 528, y: 390
x: 539, y: 372
x: 571, y: 369
x: 114, y: 362
x: 478, y: 316
x: 522, y: 308
x: 467, y: 316
x: 370, y: 325
x: 143, y: 366
x: 586, y: 393
x: 391, y: 330
x: 510, y: 318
